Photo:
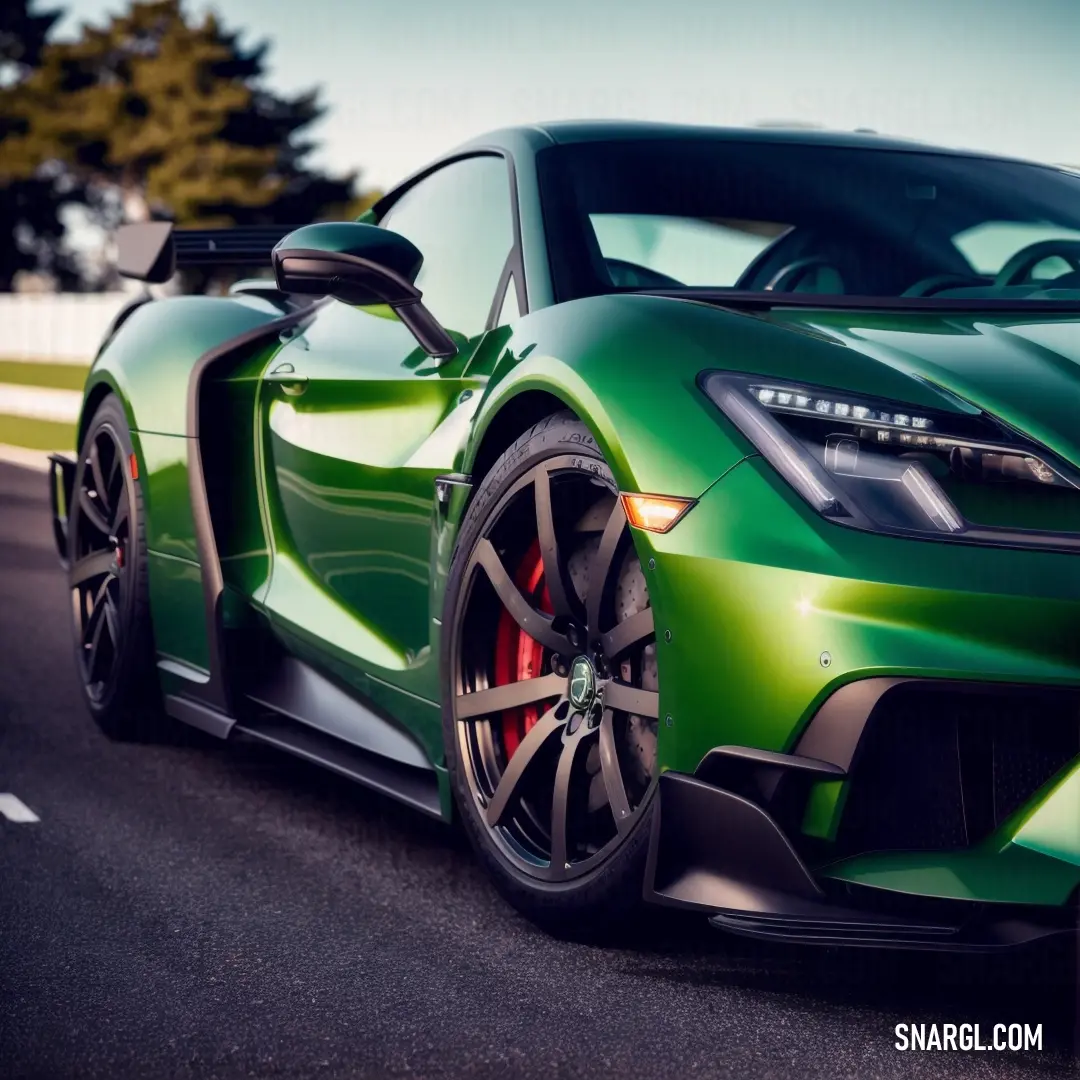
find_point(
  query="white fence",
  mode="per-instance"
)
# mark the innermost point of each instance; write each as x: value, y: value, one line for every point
x: 57, y: 327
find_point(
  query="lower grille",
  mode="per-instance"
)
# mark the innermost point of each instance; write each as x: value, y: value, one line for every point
x: 942, y: 768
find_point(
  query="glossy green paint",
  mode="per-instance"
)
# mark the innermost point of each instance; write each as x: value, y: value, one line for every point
x: 336, y: 538
x: 163, y: 474
x: 751, y: 583
x: 350, y: 467
x: 179, y: 612
x: 148, y: 362
x: 1012, y: 876
x: 600, y: 357
x: 175, y: 577
x: 1050, y: 824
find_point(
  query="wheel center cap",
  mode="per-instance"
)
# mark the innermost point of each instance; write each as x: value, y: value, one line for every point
x: 582, y: 683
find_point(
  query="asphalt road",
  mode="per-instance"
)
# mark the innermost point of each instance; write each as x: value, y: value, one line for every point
x: 197, y: 909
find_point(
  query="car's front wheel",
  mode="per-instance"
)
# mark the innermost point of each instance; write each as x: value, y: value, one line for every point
x: 551, y: 702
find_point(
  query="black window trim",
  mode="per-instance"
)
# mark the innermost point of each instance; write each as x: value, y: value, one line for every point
x: 500, y: 292
x: 515, y: 262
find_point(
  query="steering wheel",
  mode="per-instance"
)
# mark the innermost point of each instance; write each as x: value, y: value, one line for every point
x: 930, y: 285
x: 1018, y: 269
x: 788, y: 277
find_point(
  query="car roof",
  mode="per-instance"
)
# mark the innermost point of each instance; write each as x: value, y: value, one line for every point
x: 524, y: 141
x: 576, y: 131
x: 567, y: 132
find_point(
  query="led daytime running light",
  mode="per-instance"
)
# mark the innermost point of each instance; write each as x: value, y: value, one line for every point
x: 788, y: 399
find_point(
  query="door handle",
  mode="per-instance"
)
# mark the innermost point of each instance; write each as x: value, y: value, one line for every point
x: 285, y: 376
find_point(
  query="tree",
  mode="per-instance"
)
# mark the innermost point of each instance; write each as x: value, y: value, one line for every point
x: 22, y: 37
x: 31, y: 231
x: 162, y: 116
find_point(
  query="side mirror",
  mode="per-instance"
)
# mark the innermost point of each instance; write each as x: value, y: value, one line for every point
x: 360, y: 264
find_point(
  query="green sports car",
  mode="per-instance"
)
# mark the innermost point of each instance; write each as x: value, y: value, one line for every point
x: 693, y: 513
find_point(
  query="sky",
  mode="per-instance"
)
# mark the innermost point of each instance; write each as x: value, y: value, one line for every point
x: 406, y: 81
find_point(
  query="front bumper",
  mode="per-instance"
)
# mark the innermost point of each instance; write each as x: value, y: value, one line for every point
x: 731, y: 840
x: 717, y: 853
x: 942, y: 680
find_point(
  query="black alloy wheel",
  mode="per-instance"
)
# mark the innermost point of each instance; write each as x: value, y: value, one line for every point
x: 107, y: 575
x: 552, y: 682
x: 102, y: 537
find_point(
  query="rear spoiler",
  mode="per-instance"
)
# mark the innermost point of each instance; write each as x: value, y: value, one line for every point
x: 153, y: 251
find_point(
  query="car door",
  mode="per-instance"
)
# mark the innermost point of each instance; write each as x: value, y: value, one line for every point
x: 357, y: 422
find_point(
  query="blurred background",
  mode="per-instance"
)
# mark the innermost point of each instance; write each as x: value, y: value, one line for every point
x: 279, y: 111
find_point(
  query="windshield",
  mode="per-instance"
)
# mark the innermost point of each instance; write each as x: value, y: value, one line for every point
x: 808, y: 223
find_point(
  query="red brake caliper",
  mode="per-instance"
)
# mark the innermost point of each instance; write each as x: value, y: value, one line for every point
x: 517, y: 656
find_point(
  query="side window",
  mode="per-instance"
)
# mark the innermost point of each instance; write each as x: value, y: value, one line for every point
x: 460, y: 218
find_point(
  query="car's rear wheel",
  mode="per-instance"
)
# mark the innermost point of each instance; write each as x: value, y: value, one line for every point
x: 114, y: 647
x: 551, y: 682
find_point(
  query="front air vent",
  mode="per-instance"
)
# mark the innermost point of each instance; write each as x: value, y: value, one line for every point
x: 942, y: 768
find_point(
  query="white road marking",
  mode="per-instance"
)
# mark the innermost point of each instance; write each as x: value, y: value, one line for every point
x: 16, y: 810
x: 40, y: 402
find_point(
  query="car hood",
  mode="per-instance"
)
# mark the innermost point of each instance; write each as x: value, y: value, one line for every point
x: 1025, y: 371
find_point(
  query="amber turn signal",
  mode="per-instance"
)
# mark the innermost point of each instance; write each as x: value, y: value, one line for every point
x: 656, y: 513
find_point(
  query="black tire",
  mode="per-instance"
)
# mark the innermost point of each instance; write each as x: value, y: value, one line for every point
x: 585, y: 892
x: 110, y: 604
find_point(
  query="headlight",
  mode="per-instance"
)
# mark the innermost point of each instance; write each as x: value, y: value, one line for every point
x: 894, y: 468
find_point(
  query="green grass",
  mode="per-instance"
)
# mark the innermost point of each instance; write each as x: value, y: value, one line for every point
x: 36, y: 434
x: 27, y: 373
